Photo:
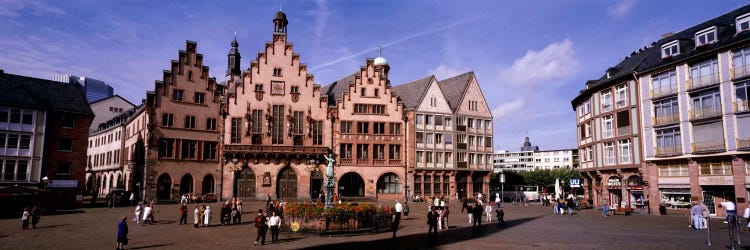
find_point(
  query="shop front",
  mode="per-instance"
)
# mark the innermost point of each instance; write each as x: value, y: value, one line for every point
x: 614, y: 188
x: 636, y: 199
x: 715, y: 190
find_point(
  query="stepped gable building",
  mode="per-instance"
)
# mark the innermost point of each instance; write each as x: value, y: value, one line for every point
x: 43, y: 133
x: 276, y: 126
x: 173, y: 141
x: 609, y: 141
x: 695, y: 114
x: 369, y: 139
x: 473, y: 133
x: 430, y: 167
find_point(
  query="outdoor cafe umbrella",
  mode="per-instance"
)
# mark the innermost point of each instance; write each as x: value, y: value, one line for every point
x: 558, y: 189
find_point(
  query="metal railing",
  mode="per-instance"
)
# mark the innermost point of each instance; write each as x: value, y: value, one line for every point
x: 702, y: 81
x: 743, y: 143
x: 707, y: 146
x: 706, y: 112
x: 741, y: 106
x: 740, y: 71
x: 663, y: 91
x: 666, y: 119
x: 668, y: 150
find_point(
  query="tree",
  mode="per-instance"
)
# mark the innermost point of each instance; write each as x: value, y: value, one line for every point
x: 545, y: 178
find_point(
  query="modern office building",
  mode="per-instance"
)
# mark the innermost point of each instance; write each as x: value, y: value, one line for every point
x: 556, y: 159
x: 95, y: 89
x: 519, y: 161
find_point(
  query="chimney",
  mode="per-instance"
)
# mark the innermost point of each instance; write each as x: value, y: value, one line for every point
x: 668, y: 34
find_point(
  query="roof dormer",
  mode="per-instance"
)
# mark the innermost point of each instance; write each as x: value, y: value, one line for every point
x: 743, y: 23
x: 706, y: 36
x: 670, y: 49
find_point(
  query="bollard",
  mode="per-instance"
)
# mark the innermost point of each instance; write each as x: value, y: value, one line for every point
x: 708, y: 229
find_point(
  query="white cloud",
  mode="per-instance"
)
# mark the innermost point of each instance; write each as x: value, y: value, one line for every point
x: 622, y: 8
x: 508, y: 108
x: 321, y: 19
x: 13, y: 8
x: 555, y: 61
x: 444, y: 71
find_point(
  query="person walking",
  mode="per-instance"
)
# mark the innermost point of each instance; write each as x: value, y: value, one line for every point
x: 183, y: 213
x: 554, y: 205
x: 605, y: 207
x: 570, y: 204
x: 153, y: 211
x: 122, y: 233
x: 465, y: 206
x: 500, y: 215
x: 432, y: 220
x: 274, y: 222
x: 696, y: 213
x: 137, y: 213
x: 730, y: 208
x: 406, y: 210
x: 146, y: 215
x: 488, y: 212
x: 207, y: 217
x: 25, y: 219
x: 262, y: 226
x: 35, y: 216
x: 446, y: 212
x: 398, y: 208
x: 132, y: 199
x: 395, y: 219
x: 440, y: 218
x: 201, y: 215
x: 497, y: 200
x: 196, y: 216
x: 477, y: 211
x: 470, y: 212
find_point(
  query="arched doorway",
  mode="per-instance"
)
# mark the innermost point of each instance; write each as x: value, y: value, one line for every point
x: 186, y: 184
x: 316, y: 184
x: 245, y: 184
x: 164, y: 187
x: 389, y: 184
x: 286, y: 186
x: 461, y: 186
x: 208, y: 184
x: 352, y: 185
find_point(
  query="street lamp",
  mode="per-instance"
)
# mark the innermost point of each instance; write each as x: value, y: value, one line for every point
x: 502, y: 189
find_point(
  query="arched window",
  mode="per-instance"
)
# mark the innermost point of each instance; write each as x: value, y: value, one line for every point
x: 389, y: 184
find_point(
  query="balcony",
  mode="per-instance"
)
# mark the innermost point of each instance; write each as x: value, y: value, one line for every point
x: 271, y: 149
x: 663, y: 91
x: 743, y: 144
x: 394, y: 162
x: 740, y: 71
x: 702, y: 81
x: 741, y: 106
x: 463, y: 165
x: 347, y: 161
x: 709, y: 146
x: 623, y: 131
x: 706, y: 112
x: 668, y: 151
x: 666, y: 119
x: 379, y: 162
x: 363, y: 161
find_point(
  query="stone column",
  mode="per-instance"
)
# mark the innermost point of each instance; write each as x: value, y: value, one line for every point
x: 694, y: 171
x: 470, y: 185
x: 738, y: 170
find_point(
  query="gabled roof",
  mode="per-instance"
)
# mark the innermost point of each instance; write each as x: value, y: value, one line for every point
x: 618, y: 73
x: 114, y: 96
x: 453, y: 88
x: 411, y: 93
x: 34, y: 93
x: 336, y: 90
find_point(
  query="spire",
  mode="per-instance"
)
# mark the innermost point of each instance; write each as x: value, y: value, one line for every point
x: 380, y: 60
x: 233, y: 58
x: 280, y: 22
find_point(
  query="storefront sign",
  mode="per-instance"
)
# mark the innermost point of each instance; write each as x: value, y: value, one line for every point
x: 614, y: 183
x: 575, y: 182
x: 62, y: 184
x: 715, y: 180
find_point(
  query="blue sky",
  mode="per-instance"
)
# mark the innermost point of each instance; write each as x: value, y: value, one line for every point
x: 530, y: 57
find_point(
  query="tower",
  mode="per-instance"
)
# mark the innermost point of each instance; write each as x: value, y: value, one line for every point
x: 233, y: 59
x: 280, y: 23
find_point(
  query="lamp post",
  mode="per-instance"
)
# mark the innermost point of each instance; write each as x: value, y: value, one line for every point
x: 502, y: 189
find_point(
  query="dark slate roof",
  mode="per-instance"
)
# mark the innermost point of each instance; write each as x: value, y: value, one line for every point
x: 618, y: 73
x: 336, y: 90
x: 411, y: 93
x: 726, y: 34
x: 114, y: 96
x: 453, y: 88
x: 34, y: 93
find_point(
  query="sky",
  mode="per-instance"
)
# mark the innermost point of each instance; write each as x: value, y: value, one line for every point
x: 530, y: 57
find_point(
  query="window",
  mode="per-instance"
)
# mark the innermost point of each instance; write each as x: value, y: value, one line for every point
x: 428, y: 138
x: 448, y: 121
x: 63, y: 145
x: 420, y: 137
x: 666, y: 111
x: 704, y: 73
x: 294, y: 90
x: 63, y: 168
x: 427, y: 184
x: 607, y: 127
x: 317, y: 132
x: 363, y: 127
x: 623, y: 123
x: 190, y: 75
x: 438, y: 120
x: 470, y: 122
x: 67, y: 121
x: 345, y: 150
x: 428, y: 120
x: 609, y: 153
x: 433, y: 102
x: 13, y: 170
x: 346, y: 127
x: 4, y: 115
x: 471, y: 140
x: 449, y: 139
x: 389, y: 184
x: 606, y: 101
x: 211, y: 124
x: 670, y: 49
x: 377, y: 94
x: 257, y: 120
x: 378, y: 109
x: 190, y: 121
x: 708, y: 136
x: 438, y: 138
x: 677, y: 198
x: 28, y: 117
x: 276, y: 71
x: 166, y: 148
x: 258, y: 87
x: 379, y: 151
x: 167, y: 120
x: 624, y: 148
x: 362, y: 150
x: 668, y: 141
x: 395, y: 128
x: 478, y: 123
x: 378, y: 128
x: 716, y: 168
x: 621, y: 98
x: 743, y: 23
x: 706, y: 104
x: 362, y: 91
x: 589, y: 153
x: 360, y: 108
x: 15, y: 116
x: 199, y: 98
x: 236, y: 130
x: 298, y: 122
x: 742, y: 94
x: 394, y: 152
x: 428, y: 157
x: 740, y: 60
x: 177, y: 95
x: 488, y: 142
x: 706, y: 36
x: 419, y: 120
x: 277, y: 131
x: 664, y: 83
x: 209, y: 150
x: 417, y: 184
x: 188, y: 149
x: 487, y: 124
x: 419, y: 156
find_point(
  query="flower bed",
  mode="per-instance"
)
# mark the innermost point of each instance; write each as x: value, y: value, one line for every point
x: 347, y: 217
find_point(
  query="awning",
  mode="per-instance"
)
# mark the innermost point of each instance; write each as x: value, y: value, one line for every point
x: 674, y: 185
x: 19, y: 191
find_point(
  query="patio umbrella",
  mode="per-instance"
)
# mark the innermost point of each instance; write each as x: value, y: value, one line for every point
x: 558, y: 190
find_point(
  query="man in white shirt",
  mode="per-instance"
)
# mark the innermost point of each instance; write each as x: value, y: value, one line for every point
x: 274, y: 222
x: 399, y: 208
x: 730, y: 208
